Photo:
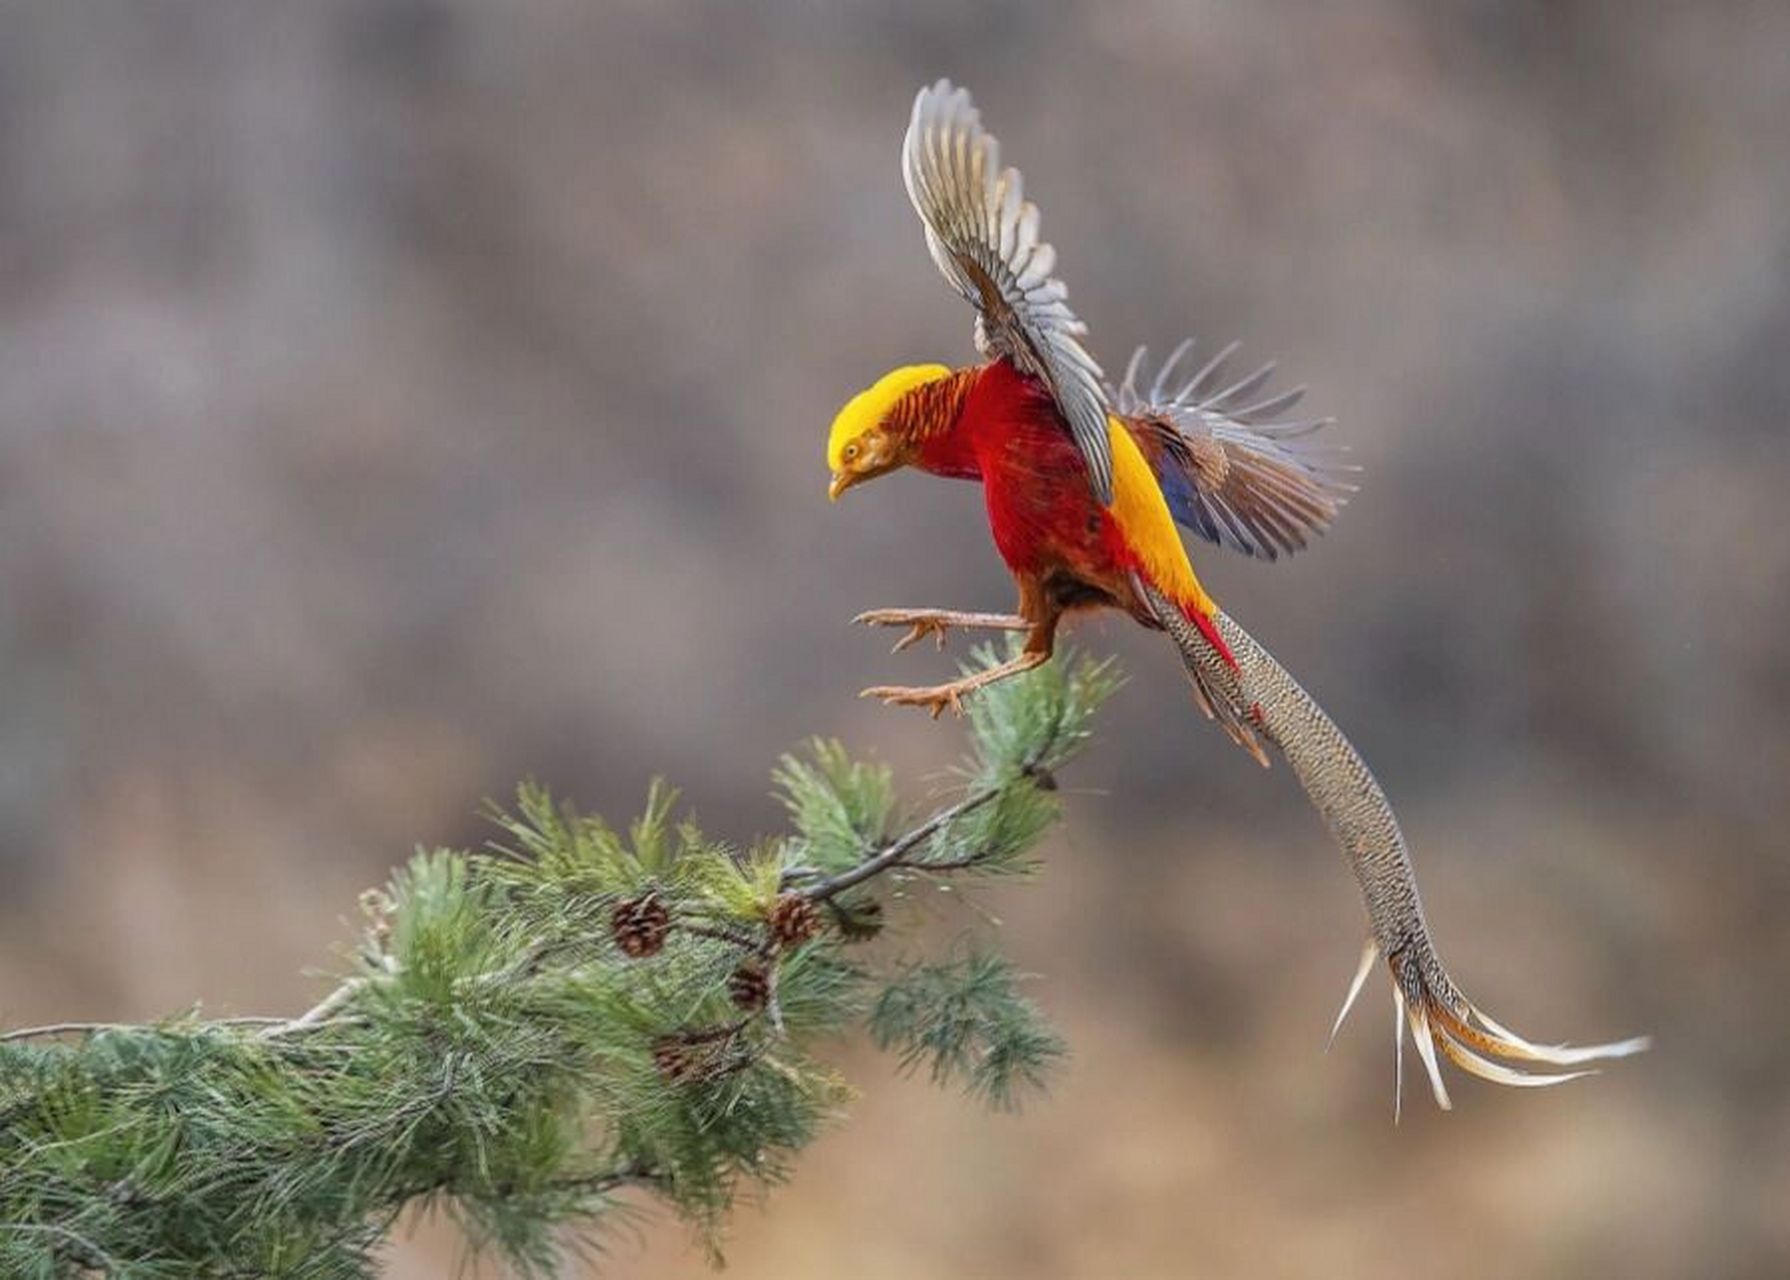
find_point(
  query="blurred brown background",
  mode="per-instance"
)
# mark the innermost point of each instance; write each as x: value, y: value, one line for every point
x: 399, y: 398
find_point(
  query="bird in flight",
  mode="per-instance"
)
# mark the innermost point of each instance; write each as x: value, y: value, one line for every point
x: 1085, y: 485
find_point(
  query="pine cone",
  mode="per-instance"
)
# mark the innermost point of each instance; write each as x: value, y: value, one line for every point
x: 749, y: 986
x: 640, y: 925
x: 692, y: 1057
x: 793, y: 920
x: 676, y: 1060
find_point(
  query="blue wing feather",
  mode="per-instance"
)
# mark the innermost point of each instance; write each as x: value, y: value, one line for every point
x: 1233, y: 467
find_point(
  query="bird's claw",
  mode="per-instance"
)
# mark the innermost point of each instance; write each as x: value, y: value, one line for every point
x: 919, y: 626
x: 919, y: 631
x: 934, y: 700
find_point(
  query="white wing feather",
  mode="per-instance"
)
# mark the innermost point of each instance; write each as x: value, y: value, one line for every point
x: 983, y: 234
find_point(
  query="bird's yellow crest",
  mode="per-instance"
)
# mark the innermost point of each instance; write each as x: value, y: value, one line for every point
x: 864, y: 410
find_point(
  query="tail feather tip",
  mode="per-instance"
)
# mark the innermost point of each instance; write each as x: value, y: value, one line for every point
x: 1472, y: 1041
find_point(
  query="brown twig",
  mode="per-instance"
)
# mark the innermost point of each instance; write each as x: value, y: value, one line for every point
x: 722, y: 933
x: 94, y: 1028
x: 318, y: 1013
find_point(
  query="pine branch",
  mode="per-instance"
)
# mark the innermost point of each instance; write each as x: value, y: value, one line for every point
x: 897, y: 852
x: 530, y: 1034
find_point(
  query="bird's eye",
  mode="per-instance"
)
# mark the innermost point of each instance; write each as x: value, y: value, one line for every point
x: 851, y: 451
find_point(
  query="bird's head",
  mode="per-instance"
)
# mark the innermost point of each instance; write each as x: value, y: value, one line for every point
x: 879, y: 430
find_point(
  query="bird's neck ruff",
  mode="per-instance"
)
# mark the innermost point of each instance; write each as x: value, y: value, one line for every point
x: 932, y: 408
x: 912, y: 403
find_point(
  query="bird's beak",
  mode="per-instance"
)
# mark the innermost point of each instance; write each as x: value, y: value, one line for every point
x: 842, y: 480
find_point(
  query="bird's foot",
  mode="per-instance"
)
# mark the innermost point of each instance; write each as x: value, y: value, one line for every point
x: 935, y: 623
x: 935, y: 699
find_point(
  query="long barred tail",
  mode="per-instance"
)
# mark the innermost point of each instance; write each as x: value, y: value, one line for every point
x: 1256, y: 692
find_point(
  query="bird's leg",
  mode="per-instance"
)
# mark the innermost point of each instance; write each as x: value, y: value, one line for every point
x: 1038, y: 615
x: 935, y: 622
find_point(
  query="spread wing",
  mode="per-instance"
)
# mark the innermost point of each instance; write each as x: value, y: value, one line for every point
x: 983, y: 234
x: 1234, y: 467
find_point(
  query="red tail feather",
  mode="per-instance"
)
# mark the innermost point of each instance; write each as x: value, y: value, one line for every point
x: 1209, y: 629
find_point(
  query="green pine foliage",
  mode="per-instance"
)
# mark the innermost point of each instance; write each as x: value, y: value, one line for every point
x: 547, y: 1036
x: 963, y: 1019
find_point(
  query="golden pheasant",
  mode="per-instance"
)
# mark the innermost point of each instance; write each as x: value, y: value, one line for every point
x: 1084, y: 486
